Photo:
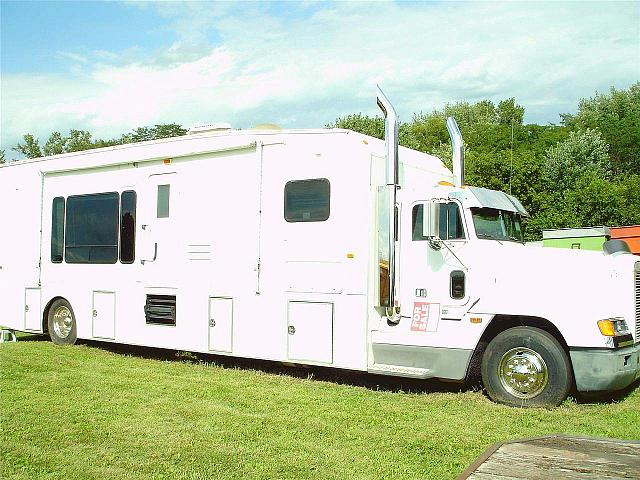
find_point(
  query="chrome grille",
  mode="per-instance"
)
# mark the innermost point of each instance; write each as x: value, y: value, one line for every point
x: 637, y: 293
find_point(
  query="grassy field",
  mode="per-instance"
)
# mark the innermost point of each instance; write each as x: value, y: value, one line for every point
x: 96, y: 411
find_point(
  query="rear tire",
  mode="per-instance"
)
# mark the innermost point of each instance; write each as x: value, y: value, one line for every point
x: 526, y: 367
x: 61, y: 323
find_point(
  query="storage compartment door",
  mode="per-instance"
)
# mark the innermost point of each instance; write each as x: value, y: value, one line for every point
x: 220, y: 324
x: 32, y: 318
x: 104, y: 315
x: 310, y: 332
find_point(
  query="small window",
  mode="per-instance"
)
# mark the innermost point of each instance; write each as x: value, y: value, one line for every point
x: 57, y: 230
x: 457, y: 287
x: 91, y: 229
x: 128, y: 227
x: 450, y: 222
x: 307, y: 200
x: 163, y: 201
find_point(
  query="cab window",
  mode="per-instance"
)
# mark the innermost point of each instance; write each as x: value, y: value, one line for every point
x: 450, y: 222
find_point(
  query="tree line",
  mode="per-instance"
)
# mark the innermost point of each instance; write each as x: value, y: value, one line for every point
x: 583, y: 172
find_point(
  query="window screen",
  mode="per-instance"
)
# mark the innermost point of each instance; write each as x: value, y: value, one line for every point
x: 163, y: 201
x: 128, y: 227
x: 450, y: 222
x: 57, y: 229
x: 91, y: 233
x: 307, y: 200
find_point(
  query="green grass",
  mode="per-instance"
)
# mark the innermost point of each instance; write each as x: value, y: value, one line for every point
x: 93, y: 411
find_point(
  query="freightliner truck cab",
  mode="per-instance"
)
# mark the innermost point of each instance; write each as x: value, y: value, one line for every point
x: 533, y: 322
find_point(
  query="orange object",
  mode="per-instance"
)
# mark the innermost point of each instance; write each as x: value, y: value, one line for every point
x: 631, y: 235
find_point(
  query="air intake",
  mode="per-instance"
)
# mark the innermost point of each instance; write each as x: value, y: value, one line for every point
x: 160, y: 309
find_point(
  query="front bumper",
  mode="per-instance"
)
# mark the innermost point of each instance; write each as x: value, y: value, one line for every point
x: 604, y: 369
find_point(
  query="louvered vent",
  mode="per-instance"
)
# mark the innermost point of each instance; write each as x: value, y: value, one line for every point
x: 637, y: 292
x: 160, y: 309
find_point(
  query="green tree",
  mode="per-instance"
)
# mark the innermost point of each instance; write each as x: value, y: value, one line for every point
x: 30, y: 148
x: 509, y: 112
x: 583, y: 154
x: 372, y: 126
x: 2, y: 159
x: 143, y: 134
x: 55, y: 145
x: 617, y: 116
x: 78, y: 141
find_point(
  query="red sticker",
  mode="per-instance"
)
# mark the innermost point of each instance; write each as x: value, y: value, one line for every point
x: 420, y: 317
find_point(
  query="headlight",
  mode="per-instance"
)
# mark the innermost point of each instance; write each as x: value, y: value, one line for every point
x: 613, y: 327
x: 616, y: 331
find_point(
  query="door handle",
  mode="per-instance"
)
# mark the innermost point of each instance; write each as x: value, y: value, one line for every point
x: 212, y: 322
x: 291, y: 330
x: 155, y: 254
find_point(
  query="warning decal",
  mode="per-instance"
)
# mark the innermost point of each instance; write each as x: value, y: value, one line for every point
x: 420, y: 317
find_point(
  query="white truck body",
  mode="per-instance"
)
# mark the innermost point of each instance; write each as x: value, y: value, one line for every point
x: 245, y: 281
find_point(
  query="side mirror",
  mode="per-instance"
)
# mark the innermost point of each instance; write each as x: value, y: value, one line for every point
x: 431, y: 220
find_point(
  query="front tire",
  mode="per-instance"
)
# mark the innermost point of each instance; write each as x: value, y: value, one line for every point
x: 62, y: 323
x: 526, y: 367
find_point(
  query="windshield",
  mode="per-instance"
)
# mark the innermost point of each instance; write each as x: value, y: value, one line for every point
x: 497, y: 224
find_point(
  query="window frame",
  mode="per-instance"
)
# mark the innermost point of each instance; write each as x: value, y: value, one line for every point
x: 117, y: 229
x: 463, y: 221
x: 121, y: 226
x: 316, y: 220
x: 63, y: 221
x: 168, y: 201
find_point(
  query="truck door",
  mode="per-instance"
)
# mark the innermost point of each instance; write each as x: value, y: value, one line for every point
x: 160, y: 232
x: 433, y: 277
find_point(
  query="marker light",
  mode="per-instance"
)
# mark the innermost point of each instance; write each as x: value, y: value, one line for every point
x: 612, y: 327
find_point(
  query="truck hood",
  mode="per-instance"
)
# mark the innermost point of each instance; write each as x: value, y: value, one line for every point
x: 561, y: 285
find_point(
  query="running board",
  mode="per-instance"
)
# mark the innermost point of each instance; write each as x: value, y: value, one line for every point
x: 7, y: 336
x: 398, y: 371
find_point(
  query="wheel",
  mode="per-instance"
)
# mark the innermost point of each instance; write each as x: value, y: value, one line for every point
x: 526, y: 367
x: 62, y: 323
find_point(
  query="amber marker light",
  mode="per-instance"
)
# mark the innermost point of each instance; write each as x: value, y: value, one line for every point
x: 444, y: 183
x: 475, y: 320
x: 167, y: 161
x: 606, y: 328
x: 350, y: 255
x: 612, y: 327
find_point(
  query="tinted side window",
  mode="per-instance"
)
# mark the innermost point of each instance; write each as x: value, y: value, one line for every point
x: 57, y: 229
x: 417, y: 215
x: 307, y: 200
x: 450, y: 222
x: 91, y: 234
x: 128, y: 227
x: 164, y: 192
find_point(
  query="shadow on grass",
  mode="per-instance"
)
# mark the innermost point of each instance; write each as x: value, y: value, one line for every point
x: 606, y: 397
x: 328, y: 374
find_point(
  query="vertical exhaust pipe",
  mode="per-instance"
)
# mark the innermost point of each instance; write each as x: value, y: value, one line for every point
x: 458, y: 152
x: 391, y: 149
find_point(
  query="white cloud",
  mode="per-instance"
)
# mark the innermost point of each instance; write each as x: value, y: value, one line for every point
x: 308, y: 68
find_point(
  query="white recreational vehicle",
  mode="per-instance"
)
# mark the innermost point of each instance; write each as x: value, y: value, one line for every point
x: 314, y: 247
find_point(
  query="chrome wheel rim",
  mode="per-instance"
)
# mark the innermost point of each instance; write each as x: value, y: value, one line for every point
x: 523, y: 372
x: 62, y: 321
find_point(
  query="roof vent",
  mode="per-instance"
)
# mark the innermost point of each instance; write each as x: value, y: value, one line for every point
x: 210, y: 127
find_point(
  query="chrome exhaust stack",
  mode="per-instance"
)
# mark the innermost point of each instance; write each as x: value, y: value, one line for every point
x: 388, y: 284
x: 458, y: 152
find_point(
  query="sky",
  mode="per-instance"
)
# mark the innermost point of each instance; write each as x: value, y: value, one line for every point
x: 109, y: 67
